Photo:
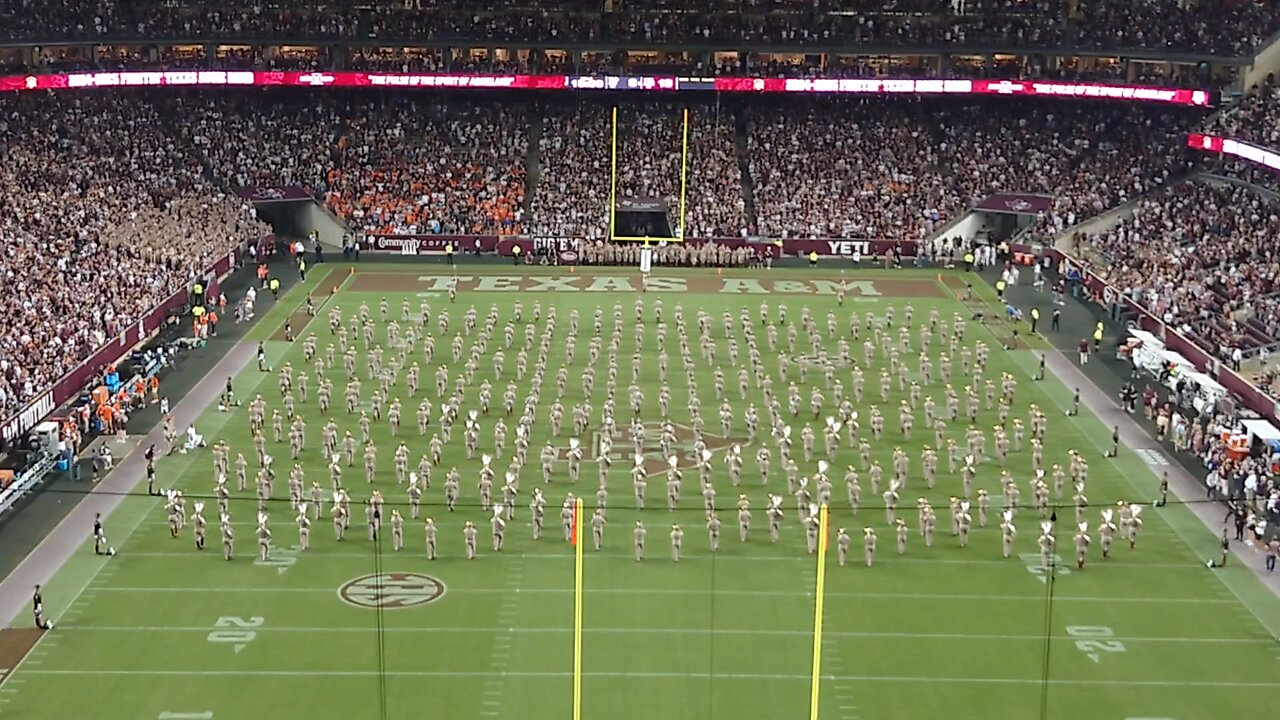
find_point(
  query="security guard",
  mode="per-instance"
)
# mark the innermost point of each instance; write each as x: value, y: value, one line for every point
x: 448, y: 253
x: 515, y: 254
x: 813, y: 258
x: 274, y: 285
x: 1035, y: 318
x: 1097, y: 337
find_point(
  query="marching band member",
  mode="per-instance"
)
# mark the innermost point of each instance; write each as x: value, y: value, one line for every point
x: 1082, y: 544
x: 198, y: 525
x: 1046, y: 543
x: 1106, y: 532
x: 1007, y: 533
x: 304, y: 527
x: 228, y: 536
x: 264, y: 538
x: 469, y: 539
x: 429, y: 534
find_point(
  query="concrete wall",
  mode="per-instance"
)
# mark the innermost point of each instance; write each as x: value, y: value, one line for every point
x: 298, y: 220
x: 1093, y: 226
x: 314, y: 217
x: 967, y: 227
x: 1267, y: 61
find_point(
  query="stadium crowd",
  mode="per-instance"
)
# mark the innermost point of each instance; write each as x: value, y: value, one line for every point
x: 1226, y: 28
x: 575, y: 160
x: 129, y: 185
x: 887, y: 169
x: 1254, y: 119
x: 423, y: 60
x: 104, y: 217
x: 1201, y: 257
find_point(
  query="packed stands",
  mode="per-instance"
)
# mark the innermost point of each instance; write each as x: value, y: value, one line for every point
x: 105, y: 216
x: 1234, y: 27
x: 423, y: 60
x: 575, y: 152
x: 408, y: 167
x: 894, y: 169
x: 129, y: 178
x: 1254, y: 119
x: 1201, y: 257
x: 1230, y: 28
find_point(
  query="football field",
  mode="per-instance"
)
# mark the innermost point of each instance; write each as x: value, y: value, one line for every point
x: 356, y: 629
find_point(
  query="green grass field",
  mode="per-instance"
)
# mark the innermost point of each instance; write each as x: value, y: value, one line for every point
x: 164, y: 631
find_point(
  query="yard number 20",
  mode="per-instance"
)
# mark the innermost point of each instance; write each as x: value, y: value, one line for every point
x: 1095, y: 640
x: 236, y: 630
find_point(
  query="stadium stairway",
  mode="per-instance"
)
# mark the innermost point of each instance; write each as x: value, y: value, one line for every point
x: 740, y: 146
x: 533, y: 161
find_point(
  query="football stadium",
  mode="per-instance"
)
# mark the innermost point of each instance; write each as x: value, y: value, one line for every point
x: 829, y: 360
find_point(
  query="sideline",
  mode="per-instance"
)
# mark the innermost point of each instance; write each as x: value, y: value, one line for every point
x: 56, y: 555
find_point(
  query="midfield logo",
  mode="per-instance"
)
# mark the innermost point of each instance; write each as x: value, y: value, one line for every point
x: 391, y: 591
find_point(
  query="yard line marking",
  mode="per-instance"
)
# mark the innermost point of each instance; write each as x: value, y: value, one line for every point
x: 924, y: 679
x: 1197, y: 567
x: 504, y: 634
x: 841, y: 686
x: 1187, y: 544
x: 507, y: 611
x: 705, y: 591
x: 84, y: 592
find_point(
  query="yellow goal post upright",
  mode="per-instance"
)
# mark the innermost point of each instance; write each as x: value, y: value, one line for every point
x: 576, y: 537
x: 613, y: 183
x: 819, y: 591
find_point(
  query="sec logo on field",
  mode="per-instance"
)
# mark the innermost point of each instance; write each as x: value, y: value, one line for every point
x: 391, y: 591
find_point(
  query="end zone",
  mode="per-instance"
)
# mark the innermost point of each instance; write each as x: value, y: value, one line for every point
x: 571, y: 281
x: 15, y: 644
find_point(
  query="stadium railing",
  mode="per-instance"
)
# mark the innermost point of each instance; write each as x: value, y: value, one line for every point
x: 1252, y: 396
x: 25, y: 482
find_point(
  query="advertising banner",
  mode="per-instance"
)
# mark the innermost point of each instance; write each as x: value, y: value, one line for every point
x: 288, y: 193
x: 1016, y: 203
x: 568, y: 248
x: 862, y: 86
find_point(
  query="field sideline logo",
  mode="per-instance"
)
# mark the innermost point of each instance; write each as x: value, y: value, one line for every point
x: 391, y: 591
